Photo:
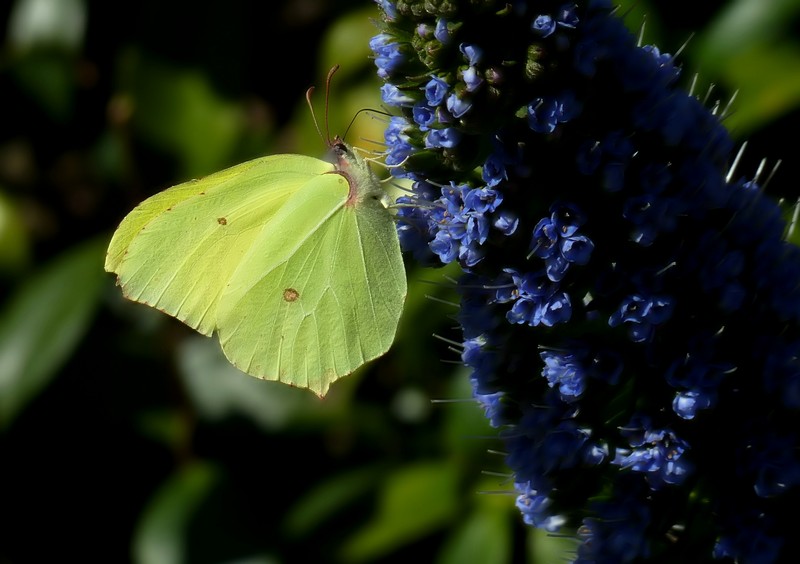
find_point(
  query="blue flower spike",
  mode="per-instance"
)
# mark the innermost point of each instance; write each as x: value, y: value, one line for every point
x: 630, y: 310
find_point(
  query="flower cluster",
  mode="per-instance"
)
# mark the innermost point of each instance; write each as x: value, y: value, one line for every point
x: 630, y: 309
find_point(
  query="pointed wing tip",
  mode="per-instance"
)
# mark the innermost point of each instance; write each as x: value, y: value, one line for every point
x: 110, y: 265
x: 320, y: 390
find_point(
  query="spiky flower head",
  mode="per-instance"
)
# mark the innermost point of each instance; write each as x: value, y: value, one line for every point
x: 629, y: 305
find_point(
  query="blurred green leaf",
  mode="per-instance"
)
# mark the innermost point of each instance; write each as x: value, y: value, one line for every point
x: 346, y: 43
x: 47, y: 23
x: 744, y: 23
x: 792, y: 216
x: 637, y: 15
x: 44, y: 321
x: 170, y: 427
x: 14, y: 237
x: 546, y: 547
x: 746, y: 48
x: 161, y: 534
x: 768, y: 83
x: 465, y: 427
x: 330, y: 497
x: 219, y: 390
x: 415, y: 501
x: 429, y: 310
x: 482, y: 536
x: 48, y: 77
x: 178, y: 111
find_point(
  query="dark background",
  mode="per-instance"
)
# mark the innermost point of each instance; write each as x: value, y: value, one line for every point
x: 125, y: 437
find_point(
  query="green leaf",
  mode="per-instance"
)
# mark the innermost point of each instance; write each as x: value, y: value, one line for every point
x: 346, y: 43
x: 545, y: 547
x: 330, y: 498
x: 178, y: 111
x: 745, y: 23
x: 219, y: 390
x: 14, y: 237
x: 792, y: 216
x: 416, y: 500
x: 43, y: 323
x: 48, y: 78
x: 161, y: 534
x: 47, y: 24
x: 751, y: 49
x: 768, y: 82
x: 483, y: 536
x: 465, y: 420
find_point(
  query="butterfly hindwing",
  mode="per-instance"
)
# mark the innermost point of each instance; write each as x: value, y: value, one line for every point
x: 304, y: 309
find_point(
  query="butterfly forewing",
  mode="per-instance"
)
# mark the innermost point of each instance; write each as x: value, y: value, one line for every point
x: 188, y: 240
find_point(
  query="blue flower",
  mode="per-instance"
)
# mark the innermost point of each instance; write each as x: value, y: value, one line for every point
x: 412, y: 222
x: 617, y: 531
x: 397, y: 130
x: 544, y: 25
x: 687, y: 403
x: 562, y: 371
x: 389, y: 9
x: 773, y: 461
x: 442, y: 138
x: 482, y: 200
x: 544, y: 114
x: 457, y: 105
x: 472, y: 53
x: 423, y: 115
x: 442, y: 32
x: 477, y: 228
x: 506, y: 221
x: 388, y: 54
x: 470, y: 254
x: 471, y: 78
x: 550, y: 309
x: 642, y: 314
x: 568, y: 16
x: 492, y: 407
x: 445, y: 246
x: 393, y: 96
x: 536, y: 507
x: 555, y: 239
x: 656, y: 453
x: 749, y: 540
x: 494, y: 170
x: 576, y: 249
x: 398, y: 152
x: 436, y: 90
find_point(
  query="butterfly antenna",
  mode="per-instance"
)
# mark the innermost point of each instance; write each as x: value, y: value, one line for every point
x: 328, y: 80
x: 314, y: 116
x: 352, y: 121
x: 327, y: 136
